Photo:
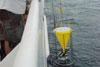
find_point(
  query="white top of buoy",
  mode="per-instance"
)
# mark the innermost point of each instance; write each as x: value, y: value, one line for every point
x: 62, y: 29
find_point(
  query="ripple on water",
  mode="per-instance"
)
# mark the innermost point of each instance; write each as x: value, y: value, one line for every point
x: 84, y: 17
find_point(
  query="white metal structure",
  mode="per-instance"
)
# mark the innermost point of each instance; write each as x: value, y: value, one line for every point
x: 33, y: 49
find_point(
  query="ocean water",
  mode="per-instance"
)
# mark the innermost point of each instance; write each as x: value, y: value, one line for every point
x: 84, y: 17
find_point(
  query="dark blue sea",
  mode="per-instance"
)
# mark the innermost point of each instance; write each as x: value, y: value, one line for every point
x: 84, y: 18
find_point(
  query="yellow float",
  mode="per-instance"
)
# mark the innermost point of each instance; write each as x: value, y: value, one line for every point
x: 63, y: 35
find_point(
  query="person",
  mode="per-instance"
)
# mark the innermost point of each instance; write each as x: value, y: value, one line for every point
x: 12, y: 21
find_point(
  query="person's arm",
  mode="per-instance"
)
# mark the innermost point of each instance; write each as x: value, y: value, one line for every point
x: 27, y: 9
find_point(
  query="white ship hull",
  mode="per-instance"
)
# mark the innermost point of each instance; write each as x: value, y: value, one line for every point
x: 33, y: 49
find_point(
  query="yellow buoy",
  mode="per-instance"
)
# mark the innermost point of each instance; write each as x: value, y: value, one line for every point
x: 61, y: 10
x: 63, y: 34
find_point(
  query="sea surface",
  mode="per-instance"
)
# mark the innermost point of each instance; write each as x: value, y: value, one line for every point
x: 84, y: 18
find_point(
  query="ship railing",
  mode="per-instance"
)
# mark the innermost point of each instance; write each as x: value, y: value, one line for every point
x: 33, y: 49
